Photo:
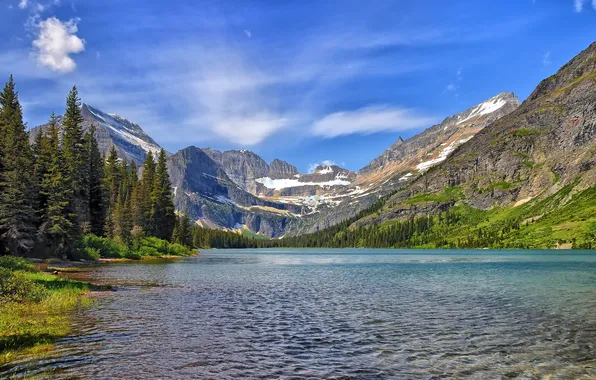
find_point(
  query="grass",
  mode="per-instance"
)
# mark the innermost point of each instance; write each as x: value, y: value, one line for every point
x: 540, y: 223
x: 35, y: 308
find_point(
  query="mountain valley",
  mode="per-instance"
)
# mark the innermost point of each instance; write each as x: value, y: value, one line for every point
x: 497, y: 153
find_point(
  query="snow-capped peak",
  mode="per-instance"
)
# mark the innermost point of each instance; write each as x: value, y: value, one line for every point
x: 487, y: 107
x: 120, y: 128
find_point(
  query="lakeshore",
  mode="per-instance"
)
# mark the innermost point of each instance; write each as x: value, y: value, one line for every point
x: 41, y: 297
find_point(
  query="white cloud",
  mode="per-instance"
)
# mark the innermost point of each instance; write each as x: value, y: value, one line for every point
x: 249, y: 130
x: 370, y: 120
x: 202, y: 91
x: 594, y: 4
x: 458, y: 78
x: 23, y: 4
x: 546, y: 58
x: 55, y: 42
x: 312, y: 167
x: 579, y: 5
x: 249, y: 33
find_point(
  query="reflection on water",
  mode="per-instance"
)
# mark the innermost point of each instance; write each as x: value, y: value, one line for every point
x: 362, y: 314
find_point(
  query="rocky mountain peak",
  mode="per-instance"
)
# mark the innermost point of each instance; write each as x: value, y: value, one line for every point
x: 129, y: 139
x: 281, y: 169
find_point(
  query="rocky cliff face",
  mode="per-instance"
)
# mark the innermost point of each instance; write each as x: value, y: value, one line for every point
x: 204, y: 190
x: 432, y: 146
x: 243, y: 167
x: 545, y: 144
x: 280, y: 169
x: 130, y: 140
x: 406, y: 160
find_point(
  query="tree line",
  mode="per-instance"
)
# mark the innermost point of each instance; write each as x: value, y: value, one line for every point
x: 60, y: 188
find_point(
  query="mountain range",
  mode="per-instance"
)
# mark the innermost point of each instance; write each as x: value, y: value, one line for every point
x: 494, y: 154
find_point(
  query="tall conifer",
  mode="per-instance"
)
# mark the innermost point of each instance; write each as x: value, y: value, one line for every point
x: 57, y: 218
x: 163, y: 216
x: 17, y: 184
x: 74, y: 154
x: 94, y: 191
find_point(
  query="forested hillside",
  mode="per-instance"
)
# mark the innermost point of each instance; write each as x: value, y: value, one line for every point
x: 61, y: 198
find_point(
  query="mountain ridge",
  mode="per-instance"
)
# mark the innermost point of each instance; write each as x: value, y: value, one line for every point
x: 129, y: 139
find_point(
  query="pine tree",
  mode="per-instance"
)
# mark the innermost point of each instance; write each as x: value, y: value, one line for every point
x: 74, y: 154
x: 111, y: 185
x: 144, y: 195
x: 17, y: 183
x: 57, y: 218
x: 182, y: 231
x: 94, y: 191
x: 162, y: 216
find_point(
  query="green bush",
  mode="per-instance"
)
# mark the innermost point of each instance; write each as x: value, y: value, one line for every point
x: 15, y: 263
x: 176, y: 249
x: 105, y: 247
x: 160, y: 245
x: 15, y: 287
x: 148, y: 251
x: 90, y: 253
x: 133, y: 255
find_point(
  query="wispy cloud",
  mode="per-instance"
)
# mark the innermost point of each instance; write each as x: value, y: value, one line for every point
x: 546, y: 59
x: 578, y: 5
x: 219, y: 88
x: 454, y: 85
x: 55, y: 43
x: 369, y: 120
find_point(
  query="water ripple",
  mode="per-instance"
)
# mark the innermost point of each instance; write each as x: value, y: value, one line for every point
x: 322, y: 315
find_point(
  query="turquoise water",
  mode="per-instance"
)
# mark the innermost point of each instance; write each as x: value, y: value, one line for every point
x: 361, y: 314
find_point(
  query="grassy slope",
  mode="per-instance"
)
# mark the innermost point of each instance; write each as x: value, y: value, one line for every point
x: 28, y: 327
x: 536, y: 224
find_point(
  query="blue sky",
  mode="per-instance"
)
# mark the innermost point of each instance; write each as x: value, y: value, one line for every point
x: 305, y: 81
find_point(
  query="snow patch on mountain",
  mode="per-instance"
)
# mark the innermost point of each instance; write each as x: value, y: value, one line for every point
x: 405, y: 177
x: 278, y: 184
x: 443, y: 154
x: 326, y: 170
x: 490, y: 106
x: 120, y: 126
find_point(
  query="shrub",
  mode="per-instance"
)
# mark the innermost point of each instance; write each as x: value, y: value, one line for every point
x: 15, y: 263
x: 148, y: 251
x: 133, y: 255
x: 179, y: 250
x: 15, y: 287
x: 90, y: 253
x: 160, y: 245
x: 105, y: 247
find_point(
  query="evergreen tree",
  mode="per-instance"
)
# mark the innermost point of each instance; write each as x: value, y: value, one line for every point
x: 163, y: 218
x: 57, y: 218
x: 41, y: 156
x: 94, y: 191
x: 182, y: 231
x: 74, y: 154
x: 144, y: 194
x: 17, y: 182
x: 111, y: 185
